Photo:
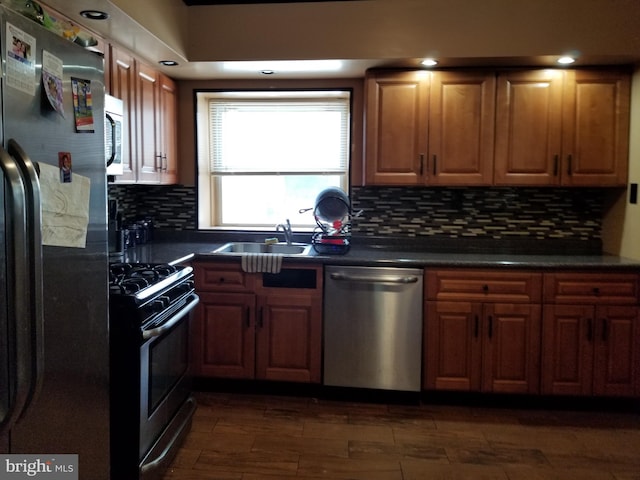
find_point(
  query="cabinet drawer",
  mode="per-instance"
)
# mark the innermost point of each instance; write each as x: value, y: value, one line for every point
x: 484, y: 286
x: 618, y: 288
x: 227, y: 277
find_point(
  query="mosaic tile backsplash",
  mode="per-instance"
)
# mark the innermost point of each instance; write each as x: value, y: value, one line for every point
x: 497, y: 213
x: 172, y: 207
x: 421, y: 212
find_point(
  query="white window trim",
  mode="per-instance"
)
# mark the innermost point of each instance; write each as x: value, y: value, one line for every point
x: 206, y: 181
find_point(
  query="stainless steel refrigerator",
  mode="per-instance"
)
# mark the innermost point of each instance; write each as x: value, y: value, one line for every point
x: 54, y: 352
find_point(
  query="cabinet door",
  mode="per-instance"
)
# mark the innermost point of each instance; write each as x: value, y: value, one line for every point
x: 396, y: 128
x: 147, y: 135
x: 168, y: 133
x: 452, y: 346
x: 529, y: 128
x: 289, y: 338
x: 123, y: 86
x: 511, y: 348
x: 617, y: 351
x: 596, y: 128
x: 461, y: 129
x: 224, y: 336
x: 567, y: 349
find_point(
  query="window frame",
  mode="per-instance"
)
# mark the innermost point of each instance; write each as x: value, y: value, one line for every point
x: 209, y: 193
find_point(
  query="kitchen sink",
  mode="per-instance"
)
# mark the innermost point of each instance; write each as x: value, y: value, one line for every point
x: 297, y: 249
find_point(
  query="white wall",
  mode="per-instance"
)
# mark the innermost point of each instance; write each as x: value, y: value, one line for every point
x: 621, y: 225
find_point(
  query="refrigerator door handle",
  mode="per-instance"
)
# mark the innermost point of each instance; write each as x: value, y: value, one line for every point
x: 32, y: 294
x: 19, y: 331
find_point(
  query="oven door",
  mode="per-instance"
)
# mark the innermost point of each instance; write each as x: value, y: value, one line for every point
x: 165, y: 387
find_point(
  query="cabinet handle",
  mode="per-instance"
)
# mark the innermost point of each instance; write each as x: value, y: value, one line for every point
x: 605, y: 330
x: 596, y: 291
x: 490, y: 326
x: 555, y: 165
x: 476, y: 327
x: 165, y: 164
x: 589, y: 329
x: 421, y: 164
x: 485, y: 288
x: 569, y: 160
x: 158, y: 162
x: 435, y: 163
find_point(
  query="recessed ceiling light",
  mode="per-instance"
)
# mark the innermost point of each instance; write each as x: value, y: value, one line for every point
x: 168, y: 63
x: 94, y: 14
x: 429, y: 62
x: 285, y: 66
x: 566, y: 60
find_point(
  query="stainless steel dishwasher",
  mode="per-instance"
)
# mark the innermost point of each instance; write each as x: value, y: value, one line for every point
x: 373, y: 327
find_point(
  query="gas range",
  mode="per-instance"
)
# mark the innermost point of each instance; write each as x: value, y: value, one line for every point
x: 150, y: 306
x: 147, y: 293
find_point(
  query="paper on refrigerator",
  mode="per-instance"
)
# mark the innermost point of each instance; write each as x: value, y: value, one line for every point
x: 65, y: 208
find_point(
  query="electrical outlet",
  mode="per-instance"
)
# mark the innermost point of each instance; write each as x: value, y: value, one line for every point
x: 633, y: 193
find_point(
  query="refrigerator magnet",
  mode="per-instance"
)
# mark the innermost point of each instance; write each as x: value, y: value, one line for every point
x: 52, y: 69
x: 64, y: 163
x: 82, y: 105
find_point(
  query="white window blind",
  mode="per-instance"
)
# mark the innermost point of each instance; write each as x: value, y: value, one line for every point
x: 279, y: 137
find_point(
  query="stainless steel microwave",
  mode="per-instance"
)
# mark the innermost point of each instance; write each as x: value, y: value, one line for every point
x: 113, y: 126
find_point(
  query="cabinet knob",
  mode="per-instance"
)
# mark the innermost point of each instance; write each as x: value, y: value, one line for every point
x: 596, y: 291
x: 485, y: 288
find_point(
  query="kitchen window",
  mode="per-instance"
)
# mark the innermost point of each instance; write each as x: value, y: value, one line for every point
x: 264, y: 156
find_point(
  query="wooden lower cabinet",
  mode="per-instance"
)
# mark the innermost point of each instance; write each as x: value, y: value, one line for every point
x: 471, y: 346
x: 289, y: 333
x: 224, y: 335
x: 591, y: 350
x: 244, y: 330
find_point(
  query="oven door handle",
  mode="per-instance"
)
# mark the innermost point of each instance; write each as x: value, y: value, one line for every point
x: 156, y: 332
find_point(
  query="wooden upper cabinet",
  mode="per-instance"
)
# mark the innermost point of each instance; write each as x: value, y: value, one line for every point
x: 148, y: 147
x: 168, y: 134
x: 433, y: 128
x: 556, y: 127
x: 122, y: 86
x: 150, y: 153
x: 396, y: 128
x: 523, y: 128
x: 461, y: 128
x: 596, y: 128
x: 529, y: 127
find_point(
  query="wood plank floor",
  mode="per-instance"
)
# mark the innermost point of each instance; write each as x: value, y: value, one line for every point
x: 261, y: 437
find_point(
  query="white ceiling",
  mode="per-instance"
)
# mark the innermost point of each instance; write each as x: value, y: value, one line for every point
x: 368, y: 33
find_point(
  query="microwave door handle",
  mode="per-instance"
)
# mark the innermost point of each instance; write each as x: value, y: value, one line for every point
x: 113, y: 139
x: 33, y: 246
x: 19, y: 330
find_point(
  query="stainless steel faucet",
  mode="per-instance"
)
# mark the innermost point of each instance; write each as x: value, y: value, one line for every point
x: 286, y: 228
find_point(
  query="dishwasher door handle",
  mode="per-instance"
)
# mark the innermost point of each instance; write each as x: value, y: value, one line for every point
x: 342, y: 277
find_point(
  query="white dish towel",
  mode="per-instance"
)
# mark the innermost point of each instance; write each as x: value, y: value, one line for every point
x: 261, y: 262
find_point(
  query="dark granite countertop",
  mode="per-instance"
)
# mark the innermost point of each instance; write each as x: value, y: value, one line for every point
x: 176, y: 250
